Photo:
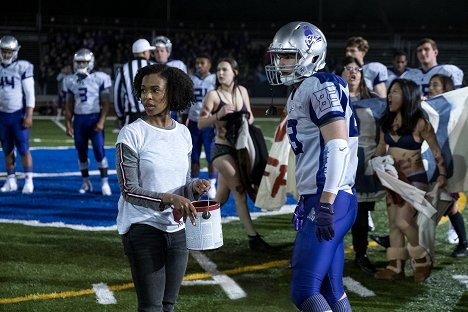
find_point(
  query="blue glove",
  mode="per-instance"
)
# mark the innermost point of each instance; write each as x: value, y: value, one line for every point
x: 324, y: 222
x: 299, y: 215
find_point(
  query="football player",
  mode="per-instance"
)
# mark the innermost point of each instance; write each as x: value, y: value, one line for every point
x: 87, y: 103
x: 323, y: 134
x: 203, y: 81
x: 427, y: 52
x: 17, y: 103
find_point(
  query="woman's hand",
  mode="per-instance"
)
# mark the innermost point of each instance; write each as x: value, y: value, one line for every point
x: 181, y: 207
x: 201, y: 186
x: 225, y: 110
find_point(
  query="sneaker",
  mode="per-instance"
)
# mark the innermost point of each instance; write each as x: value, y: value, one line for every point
x: 370, y: 222
x: 86, y: 187
x: 364, y: 264
x: 258, y: 244
x: 452, y: 236
x: 383, y: 241
x: 212, y: 191
x: 9, y: 186
x: 28, y: 187
x: 106, y: 190
x: 460, y: 251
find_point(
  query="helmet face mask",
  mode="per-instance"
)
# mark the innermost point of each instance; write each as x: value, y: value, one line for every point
x: 9, y: 49
x: 303, y: 40
x: 83, y: 62
x: 163, y: 42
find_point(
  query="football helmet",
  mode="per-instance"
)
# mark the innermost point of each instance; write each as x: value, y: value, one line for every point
x: 303, y: 40
x: 9, y: 43
x: 163, y: 42
x: 83, y: 55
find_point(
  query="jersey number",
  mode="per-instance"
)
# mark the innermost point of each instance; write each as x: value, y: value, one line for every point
x: 292, y: 133
x: 4, y: 82
x: 82, y: 94
x: 199, y: 94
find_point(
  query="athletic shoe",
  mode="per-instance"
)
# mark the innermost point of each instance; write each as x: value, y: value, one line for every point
x: 364, y: 264
x: 452, y: 236
x: 9, y: 186
x: 86, y: 187
x: 460, y: 251
x: 28, y: 187
x: 258, y: 244
x: 383, y: 241
x: 212, y: 191
x: 106, y: 190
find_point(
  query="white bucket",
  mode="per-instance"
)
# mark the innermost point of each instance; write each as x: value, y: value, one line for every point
x: 207, y: 233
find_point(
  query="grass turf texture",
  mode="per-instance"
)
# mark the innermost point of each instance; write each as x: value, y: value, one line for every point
x: 53, y: 269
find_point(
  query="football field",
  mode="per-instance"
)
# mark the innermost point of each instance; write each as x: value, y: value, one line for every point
x: 59, y: 251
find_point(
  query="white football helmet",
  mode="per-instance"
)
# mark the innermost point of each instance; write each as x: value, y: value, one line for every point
x: 9, y: 43
x: 307, y: 43
x: 163, y: 42
x: 83, y: 55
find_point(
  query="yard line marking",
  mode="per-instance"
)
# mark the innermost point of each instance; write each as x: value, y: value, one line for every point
x: 59, y: 124
x: 103, y: 294
x: 357, y: 288
x: 462, y: 279
x: 199, y: 282
x: 229, y: 286
x: 189, y: 277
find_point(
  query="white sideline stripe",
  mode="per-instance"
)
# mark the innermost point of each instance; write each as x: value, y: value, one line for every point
x: 357, y: 288
x: 199, y: 282
x: 462, y: 279
x: 103, y: 294
x: 286, y: 209
x: 229, y: 286
x: 20, y: 175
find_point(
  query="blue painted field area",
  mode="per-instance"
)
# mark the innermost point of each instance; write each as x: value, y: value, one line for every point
x: 56, y: 197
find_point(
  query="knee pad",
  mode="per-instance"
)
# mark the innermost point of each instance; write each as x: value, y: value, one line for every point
x: 84, y: 165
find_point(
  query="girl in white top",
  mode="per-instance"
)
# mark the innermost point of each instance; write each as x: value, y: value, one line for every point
x: 153, y: 168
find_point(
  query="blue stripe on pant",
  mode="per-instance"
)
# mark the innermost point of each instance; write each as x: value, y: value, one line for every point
x: 317, y: 267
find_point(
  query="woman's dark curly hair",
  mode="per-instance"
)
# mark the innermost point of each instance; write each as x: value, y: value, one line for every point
x: 411, y: 110
x: 179, y: 87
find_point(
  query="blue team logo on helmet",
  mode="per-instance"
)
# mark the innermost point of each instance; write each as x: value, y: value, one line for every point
x: 310, y: 38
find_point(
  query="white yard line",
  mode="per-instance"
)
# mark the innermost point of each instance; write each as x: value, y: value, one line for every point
x: 357, y: 288
x: 103, y: 294
x: 462, y: 279
x: 59, y: 124
x: 229, y: 286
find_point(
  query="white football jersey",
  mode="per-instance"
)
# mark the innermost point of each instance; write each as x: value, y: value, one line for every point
x: 404, y: 75
x: 11, y: 88
x: 319, y: 99
x: 374, y: 73
x: 86, y: 91
x: 177, y: 64
x: 201, y: 87
x: 422, y: 78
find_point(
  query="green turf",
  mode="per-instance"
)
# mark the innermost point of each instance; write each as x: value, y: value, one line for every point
x: 50, y: 262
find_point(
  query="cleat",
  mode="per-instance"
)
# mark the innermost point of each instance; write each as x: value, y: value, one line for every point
x: 28, y: 187
x: 257, y: 243
x: 9, y: 186
x: 86, y: 187
x: 364, y: 264
x: 452, y: 236
x: 212, y: 191
x: 106, y: 190
x: 460, y: 251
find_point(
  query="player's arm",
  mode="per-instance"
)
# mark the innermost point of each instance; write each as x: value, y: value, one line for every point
x: 28, y: 89
x: 206, y: 118
x: 335, y: 135
x: 69, y: 107
x: 428, y: 134
x: 105, y: 99
x: 381, y: 148
x: 381, y: 90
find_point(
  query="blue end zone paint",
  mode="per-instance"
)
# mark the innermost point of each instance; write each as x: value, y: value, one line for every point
x: 56, y: 199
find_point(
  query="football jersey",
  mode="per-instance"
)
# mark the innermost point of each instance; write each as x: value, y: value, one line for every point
x: 201, y: 87
x: 319, y: 98
x: 86, y: 91
x: 11, y: 89
x: 408, y: 72
x: 177, y: 64
x: 374, y: 73
x: 422, y: 78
